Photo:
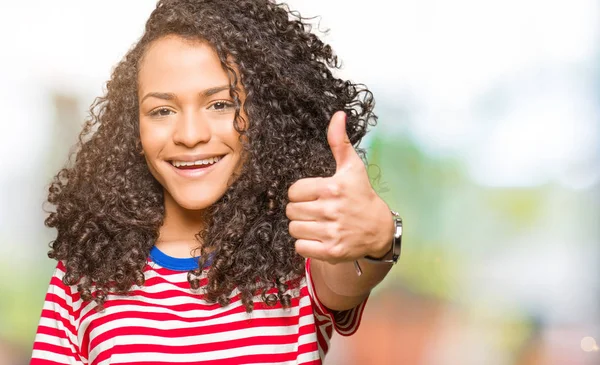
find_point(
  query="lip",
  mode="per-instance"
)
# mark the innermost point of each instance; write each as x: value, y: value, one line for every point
x: 194, y: 173
x: 192, y: 158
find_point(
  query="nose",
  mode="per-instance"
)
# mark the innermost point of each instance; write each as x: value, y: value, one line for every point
x: 191, y: 129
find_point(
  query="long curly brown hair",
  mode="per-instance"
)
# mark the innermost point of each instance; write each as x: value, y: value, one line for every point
x: 108, y: 208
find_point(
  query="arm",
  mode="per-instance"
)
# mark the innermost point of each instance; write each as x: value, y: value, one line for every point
x: 338, y: 220
x: 339, y: 287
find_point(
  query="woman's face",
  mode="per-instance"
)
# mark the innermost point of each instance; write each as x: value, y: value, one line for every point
x: 186, y: 122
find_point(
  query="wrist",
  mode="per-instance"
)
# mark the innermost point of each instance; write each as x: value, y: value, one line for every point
x: 385, y: 244
x: 396, y: 245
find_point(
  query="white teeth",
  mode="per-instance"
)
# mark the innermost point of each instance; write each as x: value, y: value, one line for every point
x: 207, y: 161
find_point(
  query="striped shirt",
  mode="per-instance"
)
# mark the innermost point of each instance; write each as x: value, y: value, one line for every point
x: 166, y: 322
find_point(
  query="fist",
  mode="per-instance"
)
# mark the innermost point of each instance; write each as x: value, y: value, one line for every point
x: 339, y: 218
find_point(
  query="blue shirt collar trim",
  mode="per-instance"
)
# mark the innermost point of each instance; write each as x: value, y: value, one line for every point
x: 175, y: 263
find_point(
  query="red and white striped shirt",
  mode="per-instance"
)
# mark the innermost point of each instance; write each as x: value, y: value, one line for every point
x: 165, y: 322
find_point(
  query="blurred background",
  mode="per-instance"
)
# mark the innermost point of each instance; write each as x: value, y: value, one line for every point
x: 487, y: 144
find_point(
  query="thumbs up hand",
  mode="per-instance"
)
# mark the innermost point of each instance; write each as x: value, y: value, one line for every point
x: 339, y: 218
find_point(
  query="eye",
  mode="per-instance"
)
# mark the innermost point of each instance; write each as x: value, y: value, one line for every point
x: 221, y: 105
x: 161, y: 112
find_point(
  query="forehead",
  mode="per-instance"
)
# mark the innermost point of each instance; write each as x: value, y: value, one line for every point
x: 175, y: 64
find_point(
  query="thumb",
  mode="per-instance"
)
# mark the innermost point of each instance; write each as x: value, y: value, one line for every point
x: 338, y: 140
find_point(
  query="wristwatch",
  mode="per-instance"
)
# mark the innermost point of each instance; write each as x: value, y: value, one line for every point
x: 395, y: 249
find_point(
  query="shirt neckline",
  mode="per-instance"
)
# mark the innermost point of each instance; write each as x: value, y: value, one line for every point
x: 175, y: 263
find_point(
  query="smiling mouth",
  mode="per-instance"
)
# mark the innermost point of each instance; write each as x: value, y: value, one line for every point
x: 195, y: 165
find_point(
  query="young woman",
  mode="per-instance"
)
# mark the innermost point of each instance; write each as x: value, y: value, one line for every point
x: 215, y: 211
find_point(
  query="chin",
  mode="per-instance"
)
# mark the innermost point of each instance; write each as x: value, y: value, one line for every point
x: 195, y: 202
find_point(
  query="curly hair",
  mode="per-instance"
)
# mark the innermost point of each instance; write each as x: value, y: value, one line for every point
x: 108, y: 208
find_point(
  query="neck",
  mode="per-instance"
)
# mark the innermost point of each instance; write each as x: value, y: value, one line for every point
x: 177, y: 235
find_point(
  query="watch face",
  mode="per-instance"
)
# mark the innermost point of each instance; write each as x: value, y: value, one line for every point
x: 398, y: 232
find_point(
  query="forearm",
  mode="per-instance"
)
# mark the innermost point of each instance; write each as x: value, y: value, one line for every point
x: 342, y: 279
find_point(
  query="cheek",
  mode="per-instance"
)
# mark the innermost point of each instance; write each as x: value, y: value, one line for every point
x: 152, y: 145
x: 144, y: 139
x: 153, y: 139
x: 226, y: 134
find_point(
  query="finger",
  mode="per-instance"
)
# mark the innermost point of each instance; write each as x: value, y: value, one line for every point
x: 305, y: 190
x: 307, y: 230
x: 339, y: 142
x: 312, y: 249
x: 305, y: 211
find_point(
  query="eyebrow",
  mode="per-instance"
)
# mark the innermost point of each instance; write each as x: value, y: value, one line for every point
x: 170, y: 96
